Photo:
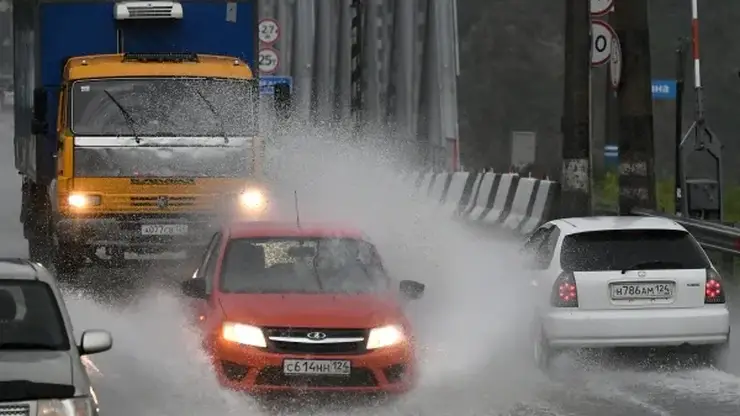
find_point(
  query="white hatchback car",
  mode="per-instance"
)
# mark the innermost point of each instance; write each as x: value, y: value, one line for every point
x: 606, y: 282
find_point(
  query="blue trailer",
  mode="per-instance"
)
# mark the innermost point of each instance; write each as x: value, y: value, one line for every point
x: 48, y: 32
x: 62, y: 46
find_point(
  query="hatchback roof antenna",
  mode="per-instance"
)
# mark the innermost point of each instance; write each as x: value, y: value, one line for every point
x: 297, y: 210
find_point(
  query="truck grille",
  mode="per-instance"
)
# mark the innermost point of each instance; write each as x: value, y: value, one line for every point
x: 156, y: 201
x: 296, y: 341
x: 18, y: 409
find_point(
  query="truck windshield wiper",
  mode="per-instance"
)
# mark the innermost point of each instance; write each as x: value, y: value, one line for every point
x: 653, y: 265
x: 126, y: 116
x: 26, y: 346
x: 215, y: 113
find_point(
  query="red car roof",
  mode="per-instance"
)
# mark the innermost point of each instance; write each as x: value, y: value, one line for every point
x: 255, y: 229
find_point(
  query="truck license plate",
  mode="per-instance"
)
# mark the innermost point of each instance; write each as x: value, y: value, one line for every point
x: 164, y: 229
x: 621, y: 291
x: 317, y: 367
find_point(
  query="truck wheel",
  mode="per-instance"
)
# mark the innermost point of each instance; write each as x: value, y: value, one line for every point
x: 68, y: 259
x: 39, y: 250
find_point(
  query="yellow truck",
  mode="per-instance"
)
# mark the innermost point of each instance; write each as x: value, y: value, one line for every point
x: 145, y: 149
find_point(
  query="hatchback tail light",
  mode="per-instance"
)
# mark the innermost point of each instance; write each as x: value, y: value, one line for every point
x: 564, y: 291
x: 714, y: 291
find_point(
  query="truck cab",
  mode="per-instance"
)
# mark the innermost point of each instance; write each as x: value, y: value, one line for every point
x: 148, y: 148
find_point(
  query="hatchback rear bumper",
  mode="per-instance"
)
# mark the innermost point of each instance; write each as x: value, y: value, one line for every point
x: 647, y: 327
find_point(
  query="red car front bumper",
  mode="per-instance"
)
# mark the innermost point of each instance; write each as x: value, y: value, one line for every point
x: 386, y: 370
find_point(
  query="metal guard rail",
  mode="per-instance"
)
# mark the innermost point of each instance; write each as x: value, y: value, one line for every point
x: 710, y: 235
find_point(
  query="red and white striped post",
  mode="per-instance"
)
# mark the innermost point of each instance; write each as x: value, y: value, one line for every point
x: 697, y: 59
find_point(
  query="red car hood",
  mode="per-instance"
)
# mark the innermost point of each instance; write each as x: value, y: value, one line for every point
x: 311, y: 310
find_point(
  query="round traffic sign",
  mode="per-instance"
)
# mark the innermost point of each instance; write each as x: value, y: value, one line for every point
x: 601, y: 7
x: 268, y: 61
x: 269, y: 31
x: 601, y: 42
x: 615, y: 63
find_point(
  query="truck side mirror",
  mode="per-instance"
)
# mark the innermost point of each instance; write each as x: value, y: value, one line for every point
x: 40, y: 105
x: 283, y: 100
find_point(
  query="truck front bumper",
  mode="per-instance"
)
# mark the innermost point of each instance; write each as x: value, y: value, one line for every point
x: 129, y: 233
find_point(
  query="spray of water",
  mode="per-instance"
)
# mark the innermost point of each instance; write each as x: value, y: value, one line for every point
x: 472, y: 324
x: 467, y: 323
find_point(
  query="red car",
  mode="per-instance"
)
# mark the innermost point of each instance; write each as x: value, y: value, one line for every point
x: 285, y: 307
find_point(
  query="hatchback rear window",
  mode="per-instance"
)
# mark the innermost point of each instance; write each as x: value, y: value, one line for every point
x: 631, y: 249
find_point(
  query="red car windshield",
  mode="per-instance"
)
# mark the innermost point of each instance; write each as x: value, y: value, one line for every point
x: 302, y: 265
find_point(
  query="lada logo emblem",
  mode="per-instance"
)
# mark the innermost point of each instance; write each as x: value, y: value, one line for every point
x: 641, y: 274
x: 163, y: 202
x: 316, y: 336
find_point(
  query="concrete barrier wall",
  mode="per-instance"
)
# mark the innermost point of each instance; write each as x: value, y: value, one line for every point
x: 508, y: 202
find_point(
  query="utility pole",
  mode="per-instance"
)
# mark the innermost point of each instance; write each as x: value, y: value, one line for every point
x: 636, y: 148
x: 357, y: 28
x: 678, y: 123
x: 576, y: 148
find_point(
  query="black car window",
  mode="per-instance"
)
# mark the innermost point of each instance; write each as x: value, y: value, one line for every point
x: 30, y: 317
x: 623, y: 249
x: 302, y: 265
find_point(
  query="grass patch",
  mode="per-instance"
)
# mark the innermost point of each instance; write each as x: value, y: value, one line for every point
x: 606, y: 196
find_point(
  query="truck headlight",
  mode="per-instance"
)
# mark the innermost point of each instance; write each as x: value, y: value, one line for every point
x: 252, y: 199
x: 78, y: 406
x: 83, y: 201
x: 385, y: 336
x: 243, y: 334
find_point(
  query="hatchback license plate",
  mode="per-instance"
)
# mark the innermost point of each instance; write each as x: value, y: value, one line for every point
x: 164, y: 229
x: 317, y: 367
x: 622, y: 291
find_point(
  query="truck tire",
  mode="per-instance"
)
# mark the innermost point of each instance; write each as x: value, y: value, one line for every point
x: 68, y: 258
x: 39, y: 250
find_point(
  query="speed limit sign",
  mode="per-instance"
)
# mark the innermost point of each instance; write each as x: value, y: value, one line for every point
x: 268, y: 61
x: 269, y: 31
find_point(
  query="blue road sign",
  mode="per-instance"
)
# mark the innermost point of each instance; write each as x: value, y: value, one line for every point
x: 664, y: 89
x: 267, y: 83
x: 611, y: 155
x: 611, y: 150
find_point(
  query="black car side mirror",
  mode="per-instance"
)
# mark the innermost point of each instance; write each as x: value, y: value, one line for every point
x: 194, y: 288
x: 412, y: 290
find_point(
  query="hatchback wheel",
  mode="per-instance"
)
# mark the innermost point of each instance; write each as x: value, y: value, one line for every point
x: 543, y: 352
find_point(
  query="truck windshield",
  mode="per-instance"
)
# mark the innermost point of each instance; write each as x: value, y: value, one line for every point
x: 163, y: 107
